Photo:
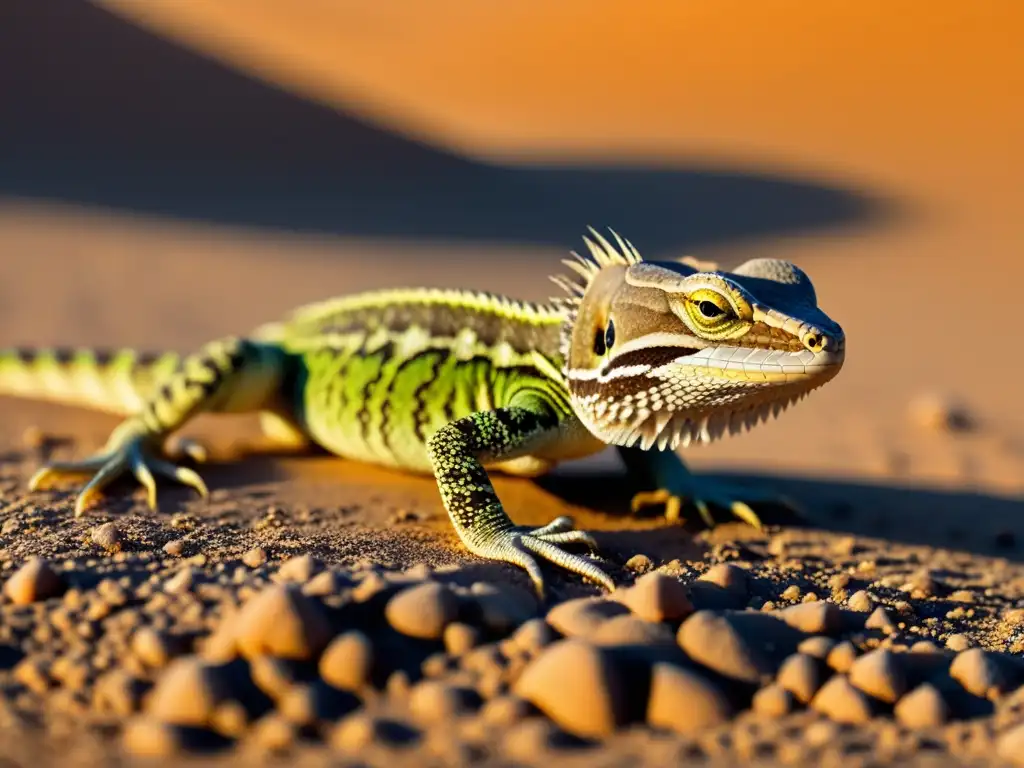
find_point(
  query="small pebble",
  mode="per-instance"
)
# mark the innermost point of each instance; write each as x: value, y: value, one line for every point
x: 842, y: 657
x: 582, y: 617
x: 800, y: 675
x: 347, y: 662
x: 879, y: 673
x: 34, y: 581
x: 324, y: 584
x: 633, y: 631
x: 152, y: 647
x: 710, y: 639
x: 280, y: 620
x: 819, y: 647
x: 422, y: 611
x: 729, y: 577
x: 881, y: 620
x: 255, y: 557
x: 187, y: 693
x: 273, y: 733
x: 979, y: 673
x: 861, y: 602
x: 460, y: 638
x: 639, y: 564
x: 958, y: 643
x: 106, y: 536
x: 533, y: 635
x: 175, y: 548
x: 658, y: 597
x: 923, y: 707
x: 503, y: 607
x: 792, y: 592
x: 685, y: 701
x: 814, y: 618
x: 181, y: 582
x: 772, y: 701
x: 575, y: 685
x: 840, y: 701
x: 298, y: 569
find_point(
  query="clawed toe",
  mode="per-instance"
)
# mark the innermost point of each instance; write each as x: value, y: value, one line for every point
x: 704, y: 498
x: 132, y: 456
x: 522, y: 546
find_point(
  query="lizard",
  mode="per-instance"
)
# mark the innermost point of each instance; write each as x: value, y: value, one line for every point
x: 645, y: 356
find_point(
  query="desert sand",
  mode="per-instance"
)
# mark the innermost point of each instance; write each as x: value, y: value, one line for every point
x: 173, y: 172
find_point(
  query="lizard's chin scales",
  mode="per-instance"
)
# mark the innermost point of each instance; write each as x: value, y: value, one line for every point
x: 669, y: 431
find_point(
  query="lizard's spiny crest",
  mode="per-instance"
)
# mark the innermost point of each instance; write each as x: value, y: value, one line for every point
x: 602, y: 254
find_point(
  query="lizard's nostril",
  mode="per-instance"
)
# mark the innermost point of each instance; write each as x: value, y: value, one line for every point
x: 815, y: 342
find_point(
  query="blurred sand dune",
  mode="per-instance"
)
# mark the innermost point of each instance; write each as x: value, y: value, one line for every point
x: 111, y: 115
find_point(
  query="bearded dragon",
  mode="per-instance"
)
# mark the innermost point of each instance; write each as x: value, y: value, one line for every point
x: 642, y: 355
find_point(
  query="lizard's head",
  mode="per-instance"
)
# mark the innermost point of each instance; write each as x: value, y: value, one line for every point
x: 665, y: 353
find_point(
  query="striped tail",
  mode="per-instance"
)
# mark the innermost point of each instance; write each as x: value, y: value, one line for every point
x: 116, y: 381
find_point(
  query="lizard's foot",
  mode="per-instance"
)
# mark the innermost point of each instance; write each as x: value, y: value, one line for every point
x: 128, y: 450
x: 518, y: 545
x: 705, y: 493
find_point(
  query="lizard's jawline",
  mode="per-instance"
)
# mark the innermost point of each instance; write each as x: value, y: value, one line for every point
x: 669, y: 431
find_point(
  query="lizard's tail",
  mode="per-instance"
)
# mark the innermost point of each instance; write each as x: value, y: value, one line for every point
x: 115, y: 382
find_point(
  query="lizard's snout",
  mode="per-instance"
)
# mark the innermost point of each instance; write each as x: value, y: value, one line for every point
x: 818, y: 341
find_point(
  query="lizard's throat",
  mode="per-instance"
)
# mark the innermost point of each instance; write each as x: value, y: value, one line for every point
x: 669, y: 413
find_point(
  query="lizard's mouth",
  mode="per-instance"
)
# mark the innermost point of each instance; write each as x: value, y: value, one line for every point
x: 700, y: 397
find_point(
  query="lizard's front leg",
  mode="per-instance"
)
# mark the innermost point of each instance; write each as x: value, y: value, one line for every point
x: 458, y: 452
x: 229, y: 375
x: 672, y: 484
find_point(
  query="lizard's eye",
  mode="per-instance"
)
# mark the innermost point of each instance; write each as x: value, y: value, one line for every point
x: 604, y: 338
x: 709, y: 309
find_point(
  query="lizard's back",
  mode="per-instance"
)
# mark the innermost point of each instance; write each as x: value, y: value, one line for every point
x: 376, y: 374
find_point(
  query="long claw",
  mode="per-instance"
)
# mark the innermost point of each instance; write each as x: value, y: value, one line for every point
x: 94, y: 488
x: 746, y: 514
x: 183, y: 475
x: 145, y: 477
x: 705, y: 513
x: 573, y: 563
x: 568, y: 537
x: 558, y: 525
x: 53, y: 470
x: 673, y: 509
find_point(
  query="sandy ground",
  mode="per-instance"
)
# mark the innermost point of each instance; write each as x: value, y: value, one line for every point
x: 183, y: 171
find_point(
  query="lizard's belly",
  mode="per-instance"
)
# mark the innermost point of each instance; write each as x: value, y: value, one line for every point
x: 379, y: 409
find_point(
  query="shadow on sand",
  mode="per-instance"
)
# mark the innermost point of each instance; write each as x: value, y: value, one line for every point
x: 984, y: 524
x: 100, y: 112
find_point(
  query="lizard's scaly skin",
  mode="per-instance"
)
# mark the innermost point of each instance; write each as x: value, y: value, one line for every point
x: 641, y: 355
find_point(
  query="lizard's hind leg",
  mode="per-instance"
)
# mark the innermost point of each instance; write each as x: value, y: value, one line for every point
x: 229, y: 375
